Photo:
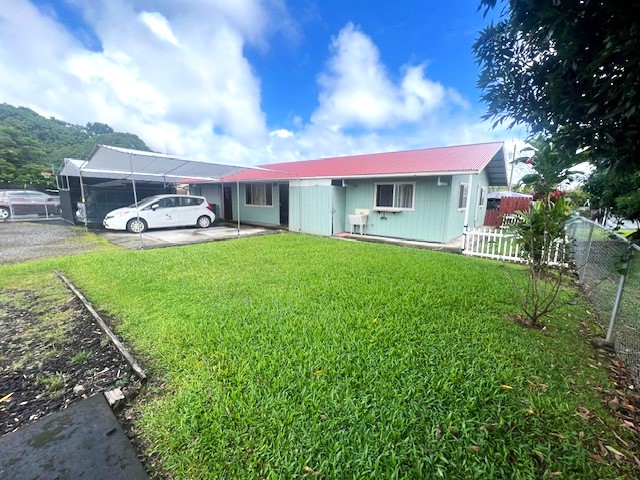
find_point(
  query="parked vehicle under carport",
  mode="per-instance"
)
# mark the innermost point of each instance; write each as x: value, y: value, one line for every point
x: 161, y: 211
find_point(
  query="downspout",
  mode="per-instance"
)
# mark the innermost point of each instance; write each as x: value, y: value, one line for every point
x: 299, y: 205
x: 238, y: 197
x: 475, y: 210
x: 466, y: 214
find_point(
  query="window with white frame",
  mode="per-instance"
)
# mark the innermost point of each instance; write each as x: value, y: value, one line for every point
x: 259, y: 194
x: 482, y: 197
x: 395, y: 196
x: 463, y: 195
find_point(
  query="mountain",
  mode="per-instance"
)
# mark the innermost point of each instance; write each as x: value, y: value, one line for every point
x: 31, y: 146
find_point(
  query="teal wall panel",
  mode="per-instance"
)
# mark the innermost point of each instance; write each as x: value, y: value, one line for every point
x: 317, y: 208
x: 310, y: 209
x: 267, y: 215
x: 455, y: 221
x: 427, y: 222
x: 339, y: 204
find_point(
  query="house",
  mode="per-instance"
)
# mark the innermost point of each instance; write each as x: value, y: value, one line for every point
x: 427, y: 195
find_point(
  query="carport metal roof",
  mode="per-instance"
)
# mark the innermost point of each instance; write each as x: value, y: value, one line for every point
x: 117, y: 162
x: 136, y: 165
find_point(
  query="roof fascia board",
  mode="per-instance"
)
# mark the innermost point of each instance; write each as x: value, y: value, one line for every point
x: 144, y: 174
x: 361, y: 177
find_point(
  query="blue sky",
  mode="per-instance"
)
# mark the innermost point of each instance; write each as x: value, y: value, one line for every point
x: 252, y: 81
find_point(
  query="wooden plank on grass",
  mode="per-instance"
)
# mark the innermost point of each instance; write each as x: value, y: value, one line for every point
x: 118, y: 344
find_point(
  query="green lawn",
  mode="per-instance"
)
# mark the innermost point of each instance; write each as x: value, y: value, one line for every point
x: 289, y: 356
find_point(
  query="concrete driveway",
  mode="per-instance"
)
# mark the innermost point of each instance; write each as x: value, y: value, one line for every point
x: 179, y: 236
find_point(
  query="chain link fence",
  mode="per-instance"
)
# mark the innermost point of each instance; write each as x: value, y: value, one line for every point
x: 28, y: 205
x: 609, y: 269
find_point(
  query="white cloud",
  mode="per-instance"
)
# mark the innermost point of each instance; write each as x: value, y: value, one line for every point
x: 180, y: 67
x: 159, y: 25
x: 281, y: 133
x: 357, y: 90
x: 175, y: 73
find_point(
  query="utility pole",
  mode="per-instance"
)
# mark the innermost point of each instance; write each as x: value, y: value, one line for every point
x: 513, y: 158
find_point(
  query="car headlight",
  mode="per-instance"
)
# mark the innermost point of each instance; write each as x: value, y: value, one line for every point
x: 117, y: 214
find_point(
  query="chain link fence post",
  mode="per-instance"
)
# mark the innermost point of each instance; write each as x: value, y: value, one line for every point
x: 610, y: 278
x: 617, y: 302
x: 583, y: 267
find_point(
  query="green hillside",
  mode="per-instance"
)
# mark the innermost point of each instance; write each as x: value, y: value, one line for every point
x: 31, y: 144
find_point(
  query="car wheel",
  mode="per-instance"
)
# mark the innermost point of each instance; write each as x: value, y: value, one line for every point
x: 136, y: 225
x: 4, y: 213
x: 203, y: 221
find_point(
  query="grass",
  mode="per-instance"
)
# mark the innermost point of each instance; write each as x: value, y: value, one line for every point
x: 81, y: 357
x: 53, y: 382
x: 288, y: 356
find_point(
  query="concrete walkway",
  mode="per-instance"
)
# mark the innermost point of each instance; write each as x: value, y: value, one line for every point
x: 454, y: 246
x: 178, y: 236
x: 84, y: 441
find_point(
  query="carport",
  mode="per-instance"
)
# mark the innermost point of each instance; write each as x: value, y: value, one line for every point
x: 135, y: 166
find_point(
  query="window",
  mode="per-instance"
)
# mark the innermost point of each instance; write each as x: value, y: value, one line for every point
x: 482, y: 195
x: 463, y: 195
x: 259, y: 194
x: 190, y: 201
x: 395, y: 196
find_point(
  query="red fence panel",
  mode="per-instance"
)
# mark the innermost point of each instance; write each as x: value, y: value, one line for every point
x: 508, y: 205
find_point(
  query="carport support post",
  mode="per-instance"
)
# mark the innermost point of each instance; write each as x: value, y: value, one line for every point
x: 238, y: 196
x: 135, y: 201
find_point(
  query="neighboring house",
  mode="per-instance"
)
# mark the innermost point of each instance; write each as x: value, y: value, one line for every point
x: 427, y: 195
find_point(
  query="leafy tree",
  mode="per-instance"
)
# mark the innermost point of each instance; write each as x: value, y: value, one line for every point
x: 540, y: 233
x: 95, y: 128
x: 31, y: 144
x: 568, y: 69
x: 619, y: 192
x: 578, y: 197
x: 551, y: 166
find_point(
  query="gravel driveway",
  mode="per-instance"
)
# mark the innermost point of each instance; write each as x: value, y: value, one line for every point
x: 22, y: 241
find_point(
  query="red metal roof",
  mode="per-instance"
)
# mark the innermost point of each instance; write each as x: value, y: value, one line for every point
x: 425, y: 162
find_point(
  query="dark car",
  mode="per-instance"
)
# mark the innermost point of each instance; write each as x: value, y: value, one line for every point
x: 27, y: 202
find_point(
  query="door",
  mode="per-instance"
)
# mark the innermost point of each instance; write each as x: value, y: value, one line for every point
x: 228, y: 206
x: 284, y: 204
x: 28, y: 203
x: 190, y: 210
x: 338, y: 211
x: 163, y: 213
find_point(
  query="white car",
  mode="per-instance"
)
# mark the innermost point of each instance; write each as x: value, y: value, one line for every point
x: 161, y: 211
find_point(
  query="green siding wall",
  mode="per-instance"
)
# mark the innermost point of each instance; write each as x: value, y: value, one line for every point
x: 476, y: 216
x: 321, y: 209
x: 455, y: 221
x: 428, y: 221
x: 310, y: 209
x: 339, y: 195
x: 268, y: 215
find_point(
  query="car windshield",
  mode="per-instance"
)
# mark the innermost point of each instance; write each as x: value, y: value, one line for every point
x: 145, y: 201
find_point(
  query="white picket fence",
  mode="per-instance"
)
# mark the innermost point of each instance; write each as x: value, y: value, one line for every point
x: 498, y: 244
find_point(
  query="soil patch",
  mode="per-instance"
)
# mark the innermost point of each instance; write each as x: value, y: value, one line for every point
x: 47, y: 349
